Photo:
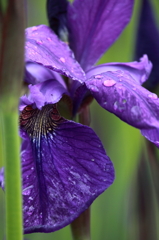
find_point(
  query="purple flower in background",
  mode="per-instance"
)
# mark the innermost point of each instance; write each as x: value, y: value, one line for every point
x: 2, y: 178
x: 148, y: 41
x: 64, y: 164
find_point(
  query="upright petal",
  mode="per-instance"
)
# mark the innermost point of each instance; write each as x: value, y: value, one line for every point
x: 94, y: 25
x: 64, y: 166
x: 120, y: 94
x: 44, y: 47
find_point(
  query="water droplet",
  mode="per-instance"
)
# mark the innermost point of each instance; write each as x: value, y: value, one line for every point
x: 94, y: 88
x: 62, y: 59
x: 34, y: 28
x: 92, y: 160
x: 135, y: 113
x: 49, y: 39
x: 118, y: 106
x: 109, y: 83
x: 153, y: 96
x: 98, y: 76
x: 39, y: 42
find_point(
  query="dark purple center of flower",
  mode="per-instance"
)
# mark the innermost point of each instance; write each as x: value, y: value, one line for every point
x: 39, y: 122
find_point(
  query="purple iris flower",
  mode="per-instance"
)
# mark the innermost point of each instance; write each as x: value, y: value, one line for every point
x: 64, y: 164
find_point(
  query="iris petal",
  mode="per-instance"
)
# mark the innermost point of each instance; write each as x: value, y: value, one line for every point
x: 94, y: 25
x: 49, y: 91
x: 64, y: 166
x: 140, y: 71
x: 36, y: 73
x: 120, y: 94
x: 44, y: 47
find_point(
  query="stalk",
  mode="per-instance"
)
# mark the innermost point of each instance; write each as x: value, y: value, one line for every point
x: 11, y: 75
x: 80, y: 227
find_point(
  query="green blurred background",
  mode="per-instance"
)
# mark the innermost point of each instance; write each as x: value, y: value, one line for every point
x: 129, y: 208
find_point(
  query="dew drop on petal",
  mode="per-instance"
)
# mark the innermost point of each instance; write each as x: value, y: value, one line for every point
x: 34, y: 28
x: 39, y: 42
x: 98, y: 76
x: 153, y: 96
x: 109, y: 83
x: 49, y: 39
x: 62, y: 59
x: 119, y: 106
x: 93, y: 88
x: 116, y: 105
x: 135, y: 113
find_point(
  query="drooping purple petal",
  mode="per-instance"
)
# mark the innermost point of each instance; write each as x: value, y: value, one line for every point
x: 120, y: 94
x: 94, y: 25
x: 44, y: 47
x: 64, y: 166
x: 148, y: 41
x: 36, y: 73
x: 50, y: 91
x: 140, y: 71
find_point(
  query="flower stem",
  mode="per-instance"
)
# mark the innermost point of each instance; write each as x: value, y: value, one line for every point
x: 11, y: 75
x: 13, y: 198
x: 84, y: 116
x: 80, y: 227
